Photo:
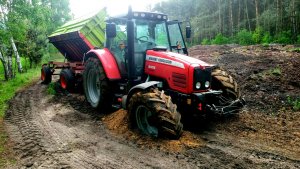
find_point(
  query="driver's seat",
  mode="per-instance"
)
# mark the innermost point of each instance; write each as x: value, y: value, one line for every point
x: 140, y: 57
x: 118, y: 50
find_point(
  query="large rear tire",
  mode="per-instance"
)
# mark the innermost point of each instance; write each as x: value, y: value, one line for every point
x: 154, y: 114
x: 67, y: 79
x: 95, y: 84
x: 46, y: 75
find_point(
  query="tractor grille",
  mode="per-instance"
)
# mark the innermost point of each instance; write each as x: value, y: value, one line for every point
x: 202, y: 75
x: 179, y: 80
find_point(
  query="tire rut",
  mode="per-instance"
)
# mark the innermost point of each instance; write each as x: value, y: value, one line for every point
x: 25, y: 133
x: 62, y: 132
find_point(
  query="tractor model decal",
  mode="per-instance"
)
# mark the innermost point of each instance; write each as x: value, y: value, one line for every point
x: 164, y: 61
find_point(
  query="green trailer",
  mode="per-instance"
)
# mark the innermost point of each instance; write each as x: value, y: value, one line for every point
x: 78, y: 36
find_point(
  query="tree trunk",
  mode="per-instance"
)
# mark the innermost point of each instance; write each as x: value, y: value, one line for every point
x: 4, y: 63
x: 231, y: 17
x: 247, y: 14
x: 220, y: 17
x: 18, y: 60
x: 225, y: 21
x: 257, y: 13
x: 239, y: 16
x: 293, y: 21
x: 279, y: 16
x: 9, y: 66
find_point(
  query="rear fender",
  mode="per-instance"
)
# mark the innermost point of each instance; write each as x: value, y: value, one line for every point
x: 108, y: 62
x: 139, y: 87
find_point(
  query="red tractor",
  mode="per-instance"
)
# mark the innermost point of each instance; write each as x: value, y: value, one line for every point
x: 144, y: 68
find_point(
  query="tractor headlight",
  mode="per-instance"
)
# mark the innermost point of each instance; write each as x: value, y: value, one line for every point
x: 198, y: 85
x: 206, y: 84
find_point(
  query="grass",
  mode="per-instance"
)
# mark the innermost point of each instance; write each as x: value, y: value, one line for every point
x: 294, y: 102
x: 51, y: 89
x: 9, y: 88
x: 276, y: 71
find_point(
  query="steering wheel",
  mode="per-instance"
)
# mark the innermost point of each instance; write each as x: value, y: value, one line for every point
x: 143, y: 39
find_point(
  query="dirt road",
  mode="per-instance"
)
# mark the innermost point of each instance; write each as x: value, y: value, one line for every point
x: 62, y: 131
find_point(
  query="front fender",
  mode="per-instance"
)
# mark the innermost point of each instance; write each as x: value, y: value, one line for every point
x: 108, y: 62
x: 139, y: 87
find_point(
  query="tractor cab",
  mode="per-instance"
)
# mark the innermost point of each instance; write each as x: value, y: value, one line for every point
x: 130, y: 36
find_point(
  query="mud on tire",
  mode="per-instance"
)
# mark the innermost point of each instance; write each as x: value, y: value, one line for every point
x: 95, y: 84
x: 221, y: 80
x: 154, y: 114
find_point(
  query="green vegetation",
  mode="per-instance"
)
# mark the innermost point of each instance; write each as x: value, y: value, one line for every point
x: 244, y: 37
x: 258, y: 35
x: 205, y: 41
x: 294, y: 103
x: 220, y: 40
x: 9, y: 88
x: 27, y: 24
x: 51, y: 88
x: 266, y: 38
x: 284, y: 37
x: 276, y: 71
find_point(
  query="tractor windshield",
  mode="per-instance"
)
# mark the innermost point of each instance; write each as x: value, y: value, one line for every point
x: 149, y: 34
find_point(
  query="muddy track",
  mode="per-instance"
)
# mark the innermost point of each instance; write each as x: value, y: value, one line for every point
x: 63, y: 132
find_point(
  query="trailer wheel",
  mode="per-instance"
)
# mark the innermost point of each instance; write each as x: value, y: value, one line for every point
x: 221, y: 80
x: 95, y: 84
x: 154, y: 114
x: 67, y: 79
x: 46, y: 75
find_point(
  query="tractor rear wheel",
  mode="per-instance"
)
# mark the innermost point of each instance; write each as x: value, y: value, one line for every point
x: 221, y: 80
x: 154, y: 114
x: 95, y: 84
x: 67, y: 79
x: 46, y: 75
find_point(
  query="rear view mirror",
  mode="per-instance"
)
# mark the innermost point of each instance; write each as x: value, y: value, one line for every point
x: 111, y: 30
x: 188, y: 31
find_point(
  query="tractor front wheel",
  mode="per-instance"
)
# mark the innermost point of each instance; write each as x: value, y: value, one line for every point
x: 95, y: 84
x: 221, y: 80
x: 154, y: 114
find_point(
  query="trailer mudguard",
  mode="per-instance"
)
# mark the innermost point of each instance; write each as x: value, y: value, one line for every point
x: 108, y: 62
x: 139, y: 87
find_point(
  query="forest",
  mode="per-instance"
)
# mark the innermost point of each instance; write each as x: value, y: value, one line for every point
x: 24, y: 26
x: 243, y: 22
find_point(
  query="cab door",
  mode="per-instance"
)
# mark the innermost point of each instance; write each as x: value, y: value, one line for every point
x: 177, y: 43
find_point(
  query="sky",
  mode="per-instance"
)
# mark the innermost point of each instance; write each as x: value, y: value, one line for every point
x: 85, y: 7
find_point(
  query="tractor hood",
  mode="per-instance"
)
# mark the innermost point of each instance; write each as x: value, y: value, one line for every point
x: 175, y: 59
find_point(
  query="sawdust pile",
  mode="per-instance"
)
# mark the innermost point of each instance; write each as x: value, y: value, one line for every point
x: 118, y: 123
